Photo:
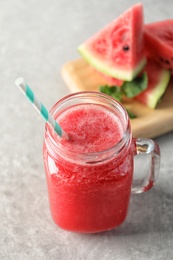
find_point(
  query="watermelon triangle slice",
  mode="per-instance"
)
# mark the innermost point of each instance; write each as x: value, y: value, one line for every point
x: 118, y: 50
x: 158, y: 79
x: 158, y: 38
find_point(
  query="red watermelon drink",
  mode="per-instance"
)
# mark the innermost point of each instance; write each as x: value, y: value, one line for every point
x: 89, y: 176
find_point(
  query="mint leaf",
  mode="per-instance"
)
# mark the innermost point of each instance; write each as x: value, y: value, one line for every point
x: 113, y: 91
x: 136, y: 86
x: 129, y: 89
x: 116, y: 93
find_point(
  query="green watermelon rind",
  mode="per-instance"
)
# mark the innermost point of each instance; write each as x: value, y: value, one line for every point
x: 160, y: 88
x: 122, y: 74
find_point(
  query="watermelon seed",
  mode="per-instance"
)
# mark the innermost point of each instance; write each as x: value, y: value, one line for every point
x: 125, y: 48
x: 164, y: 61
x: 167, y: 61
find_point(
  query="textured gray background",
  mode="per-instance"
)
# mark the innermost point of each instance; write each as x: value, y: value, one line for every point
x: 36, y: 38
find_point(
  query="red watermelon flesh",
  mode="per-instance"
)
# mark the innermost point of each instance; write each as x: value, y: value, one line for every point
x: 112, y: 81
x: 158, y: 79
x: 158, y: 38
x: 118, y: 49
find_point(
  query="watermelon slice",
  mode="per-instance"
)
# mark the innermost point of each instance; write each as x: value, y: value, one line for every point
x: 118, y: 50
x: 158, y: 38
x: 158, y: 79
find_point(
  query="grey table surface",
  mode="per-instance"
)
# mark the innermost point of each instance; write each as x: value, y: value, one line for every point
x: 36, y: 38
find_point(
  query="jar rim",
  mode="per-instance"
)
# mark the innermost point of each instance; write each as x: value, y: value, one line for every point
x: 90, y: 156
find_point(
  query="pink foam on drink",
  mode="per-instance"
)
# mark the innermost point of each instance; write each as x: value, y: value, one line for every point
x: 91, y: 128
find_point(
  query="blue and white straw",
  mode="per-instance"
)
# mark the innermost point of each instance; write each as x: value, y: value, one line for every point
x: 40, y: 107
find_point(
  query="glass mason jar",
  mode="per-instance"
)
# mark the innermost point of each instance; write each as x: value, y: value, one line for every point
x: 90, y: 192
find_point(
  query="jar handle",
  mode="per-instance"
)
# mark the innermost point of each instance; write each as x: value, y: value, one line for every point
x: 146, y: 147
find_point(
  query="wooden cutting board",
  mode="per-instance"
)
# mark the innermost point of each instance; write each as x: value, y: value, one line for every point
x: 80, y: 76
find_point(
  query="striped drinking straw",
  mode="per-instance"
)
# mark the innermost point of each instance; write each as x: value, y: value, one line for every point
x: 40, y: 107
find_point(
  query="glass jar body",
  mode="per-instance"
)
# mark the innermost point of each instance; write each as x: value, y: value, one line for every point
x: 89, y: 192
